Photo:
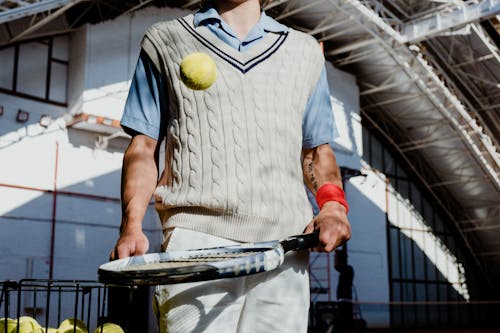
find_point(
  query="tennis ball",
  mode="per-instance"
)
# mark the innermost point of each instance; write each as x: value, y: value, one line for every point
x: 68, y: 326
x: 11, y: 325
x: 71, y: 329
x: 28, y: 325
x: 49, y: 330
x: 198, y: 71
x: 109, y: 328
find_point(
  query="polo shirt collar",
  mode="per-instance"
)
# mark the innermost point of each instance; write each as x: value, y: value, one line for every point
x: 266, y: 23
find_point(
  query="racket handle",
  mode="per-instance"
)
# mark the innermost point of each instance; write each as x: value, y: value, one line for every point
x: 301, y: 242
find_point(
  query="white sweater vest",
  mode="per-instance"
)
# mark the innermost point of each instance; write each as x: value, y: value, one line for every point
x: 233, y: 152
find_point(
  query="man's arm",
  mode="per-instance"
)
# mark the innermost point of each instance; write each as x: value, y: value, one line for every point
x: 319, y: 168
x: 139, y: 179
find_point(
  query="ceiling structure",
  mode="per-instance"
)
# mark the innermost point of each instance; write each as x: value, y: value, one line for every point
x: 429, y: 76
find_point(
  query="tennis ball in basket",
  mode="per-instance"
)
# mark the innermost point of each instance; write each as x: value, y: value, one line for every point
x: 28, y: 324
x: 68, y: 326
x: 109, y: 328
x: 27, y: 327
x: 10, y: 323
x: 198, y: 71
x: 49, y: 330
x: 71, y: 329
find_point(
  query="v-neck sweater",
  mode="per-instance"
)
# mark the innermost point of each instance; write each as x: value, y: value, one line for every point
x: 233, y: 151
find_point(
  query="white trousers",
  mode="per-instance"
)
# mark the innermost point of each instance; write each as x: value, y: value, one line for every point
x: 276, y: 301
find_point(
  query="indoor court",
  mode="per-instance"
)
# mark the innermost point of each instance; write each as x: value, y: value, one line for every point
x: 214, y: 130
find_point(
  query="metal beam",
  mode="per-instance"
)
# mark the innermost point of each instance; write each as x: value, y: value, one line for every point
x: 190, y: 3
x: 137, y: 7
x: 480, y: 219
x: 490, y: 227
x: 367, y: 13
x: 351, y: 47
x: 299, y: 9
x: 461, y: 180
x: 473, y: 61
x: 46, y: 20
x: 427, y: 142
x: 488, y: 254
x: 26, y: 9
x: 437, y: 23
x: 404, y: 97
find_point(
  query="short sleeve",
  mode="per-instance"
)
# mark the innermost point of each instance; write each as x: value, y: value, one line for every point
x: 146, y: 106
x: 318, y: 125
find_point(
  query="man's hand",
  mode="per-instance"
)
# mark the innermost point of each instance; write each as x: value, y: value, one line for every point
x: 320, y: 167
x: 333, y: 226
x: 130, y: 243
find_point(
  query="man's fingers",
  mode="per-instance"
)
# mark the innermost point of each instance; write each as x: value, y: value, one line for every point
x: 113, y: 255
x: 326, y: 240
x: 124, y: 251
x: 309, y: 228
x: 330, y: 239
x: 129, y: 246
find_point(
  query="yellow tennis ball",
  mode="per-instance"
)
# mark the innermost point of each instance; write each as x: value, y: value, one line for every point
x: 68, y: 326
x: 198, y: 71
x: 28, y: 324
x: 49, y: 330
x: 71, y: 329
x: 11, y: 325
x: 109, y: 328
x: 27, y: 327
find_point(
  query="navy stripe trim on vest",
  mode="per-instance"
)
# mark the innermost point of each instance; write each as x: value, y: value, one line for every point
x: 242, y: 67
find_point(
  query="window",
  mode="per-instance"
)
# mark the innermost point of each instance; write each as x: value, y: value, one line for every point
x: 424, y: 257
x: 36, y: 70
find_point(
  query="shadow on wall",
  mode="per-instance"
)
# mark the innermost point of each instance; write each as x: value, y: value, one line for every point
x: 85, y: 218
x: 367, y: 256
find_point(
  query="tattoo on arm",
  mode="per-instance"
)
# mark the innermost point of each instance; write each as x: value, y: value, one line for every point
x: 310, y: 171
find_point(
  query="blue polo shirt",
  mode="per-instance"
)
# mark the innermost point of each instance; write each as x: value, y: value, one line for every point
x: 146, y: 108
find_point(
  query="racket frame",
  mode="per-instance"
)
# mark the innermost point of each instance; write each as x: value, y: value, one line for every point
x: 261, y: 257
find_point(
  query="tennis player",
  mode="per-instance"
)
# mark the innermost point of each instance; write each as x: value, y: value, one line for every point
x: 237, y: 156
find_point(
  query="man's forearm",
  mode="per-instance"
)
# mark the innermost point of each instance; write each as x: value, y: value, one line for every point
x: 320, y: 167
x: 139, y: 179
x: 322, y: 173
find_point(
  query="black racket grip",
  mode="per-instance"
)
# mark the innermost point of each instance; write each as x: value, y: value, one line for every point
x: 301, y: 242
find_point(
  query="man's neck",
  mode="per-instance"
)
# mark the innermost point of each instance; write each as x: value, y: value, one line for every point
x: 240, y: 16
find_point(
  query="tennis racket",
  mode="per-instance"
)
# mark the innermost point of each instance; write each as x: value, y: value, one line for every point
x: 172, y: 267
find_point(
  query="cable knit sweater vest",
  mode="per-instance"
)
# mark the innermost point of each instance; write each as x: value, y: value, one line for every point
x: 233, y: 152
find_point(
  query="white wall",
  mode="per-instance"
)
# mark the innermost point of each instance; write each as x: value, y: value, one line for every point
x: 348, y: 146
x: 36, y: 161
x: 102, y: 59
x: 367, y: 249
x: 108, y: 60
x: 368, y: 246
x: 77, y: 69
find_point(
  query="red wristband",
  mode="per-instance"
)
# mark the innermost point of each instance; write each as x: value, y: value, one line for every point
x: 331, y: 192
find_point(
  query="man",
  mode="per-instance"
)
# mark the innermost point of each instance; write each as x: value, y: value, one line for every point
x: 236, y: 159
